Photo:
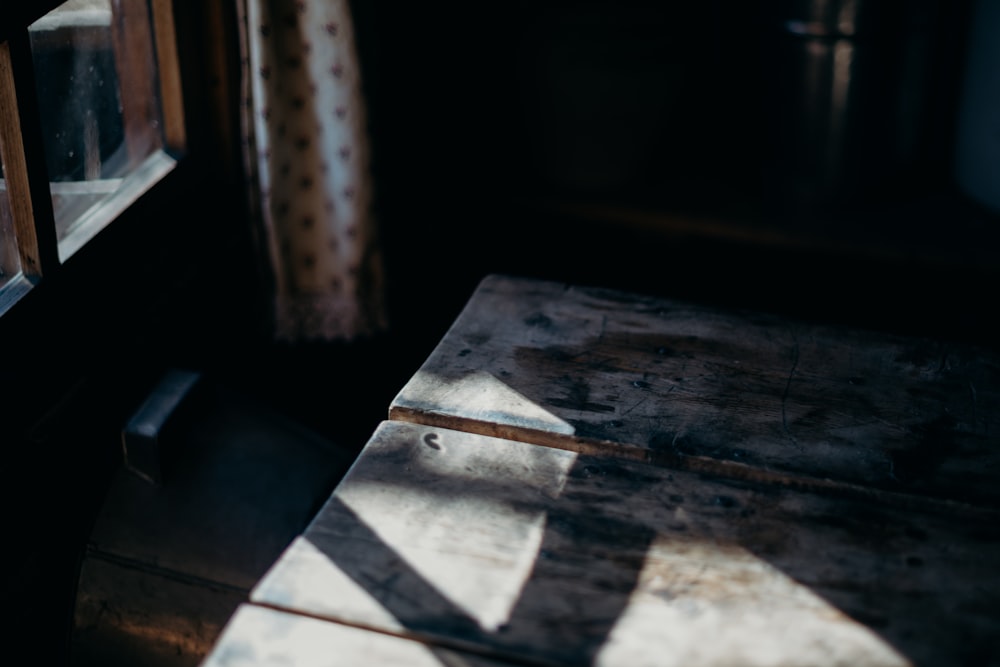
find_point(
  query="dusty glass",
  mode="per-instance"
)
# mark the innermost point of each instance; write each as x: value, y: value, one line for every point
x: 101, y: 117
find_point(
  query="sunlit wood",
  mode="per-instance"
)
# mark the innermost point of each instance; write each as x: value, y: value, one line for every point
x: 741, y: 393
x: 278, y: 638
x: 580, y: 475
x: 543, y: 556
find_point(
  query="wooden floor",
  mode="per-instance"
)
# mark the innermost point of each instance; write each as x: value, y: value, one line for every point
x: 154, y: 571
x: 582, y: 476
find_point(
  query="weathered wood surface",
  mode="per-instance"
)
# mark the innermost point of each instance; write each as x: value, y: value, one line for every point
x: 261, y: 636
x: 743, y: 394
x: 127, y: 614
x: 540, y: 555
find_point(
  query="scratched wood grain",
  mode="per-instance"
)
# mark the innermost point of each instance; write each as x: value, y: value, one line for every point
x: 547, y: 556
x: 693, y: 386
x: 261, y: 636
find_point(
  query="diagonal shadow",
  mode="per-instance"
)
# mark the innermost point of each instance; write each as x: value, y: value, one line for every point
x: 388, y: 577
x: 921, y: 581
x: 611, y: 550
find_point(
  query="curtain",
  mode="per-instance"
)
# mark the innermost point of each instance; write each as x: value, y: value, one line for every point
x: 307, y: 160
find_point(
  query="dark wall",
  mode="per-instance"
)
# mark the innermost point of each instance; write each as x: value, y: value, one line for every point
x: 530, y: 138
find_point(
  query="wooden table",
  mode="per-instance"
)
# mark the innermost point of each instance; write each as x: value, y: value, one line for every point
x: 577, y: 476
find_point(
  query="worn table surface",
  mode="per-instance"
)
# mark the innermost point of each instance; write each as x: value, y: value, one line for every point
x: 584, y: 477
x: 538, y: 554
x: 735, y: 393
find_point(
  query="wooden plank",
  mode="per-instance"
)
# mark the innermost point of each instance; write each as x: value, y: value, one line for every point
x: 261, y: 636
x: 126, y: 614
x: 547, y: 556
x: 168, y: 70
x: 22, y: 151
x: 736, y: 393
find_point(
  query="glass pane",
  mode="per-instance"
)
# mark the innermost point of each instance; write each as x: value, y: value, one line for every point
x: 99, y: 99
x: 10, y: 261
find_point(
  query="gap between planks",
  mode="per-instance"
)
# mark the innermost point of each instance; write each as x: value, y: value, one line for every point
x: 444, y: 642
x: 698, y: 464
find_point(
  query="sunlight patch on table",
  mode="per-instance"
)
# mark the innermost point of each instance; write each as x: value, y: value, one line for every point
x: 702, y: 603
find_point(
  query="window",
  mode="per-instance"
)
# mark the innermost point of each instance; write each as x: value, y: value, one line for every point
x: 91, y: 118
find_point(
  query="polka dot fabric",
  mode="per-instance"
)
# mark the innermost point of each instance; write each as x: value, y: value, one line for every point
x: 307, y: 158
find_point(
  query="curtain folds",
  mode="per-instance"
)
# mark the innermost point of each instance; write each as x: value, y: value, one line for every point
x: 307, y: 159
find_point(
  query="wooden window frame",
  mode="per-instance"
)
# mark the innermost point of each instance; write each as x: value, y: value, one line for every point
x: 40, y: 250
x: 178, y: 258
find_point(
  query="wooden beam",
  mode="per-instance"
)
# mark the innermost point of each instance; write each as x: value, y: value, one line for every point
x: 23, y: 155
x: 171, y: 95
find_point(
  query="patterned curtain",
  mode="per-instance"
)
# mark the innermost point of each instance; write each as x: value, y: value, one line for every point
x: 307, y: 159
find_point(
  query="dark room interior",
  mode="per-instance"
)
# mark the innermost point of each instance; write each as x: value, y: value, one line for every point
x: 759, y: 157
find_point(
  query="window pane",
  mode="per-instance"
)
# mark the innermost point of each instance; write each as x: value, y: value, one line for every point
x: 10, y: 262
x: 99, y: 98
